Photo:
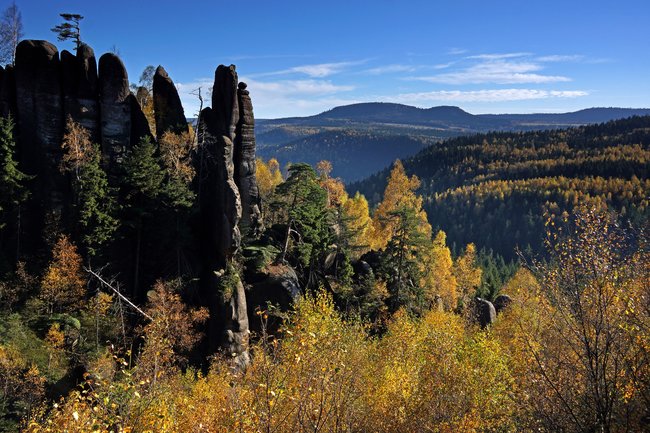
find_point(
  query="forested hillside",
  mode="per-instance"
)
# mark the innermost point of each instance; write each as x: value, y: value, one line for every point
x: 494, y: 189
x: 353, y: 154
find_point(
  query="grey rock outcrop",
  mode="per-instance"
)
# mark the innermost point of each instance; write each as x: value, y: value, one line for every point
x: 39, y: 115
x: 220, y: 213
x: 484, y: 312
x: 115, y: 112
x: 167, y: 106
x: 279, y: 286
x: 245, y: 164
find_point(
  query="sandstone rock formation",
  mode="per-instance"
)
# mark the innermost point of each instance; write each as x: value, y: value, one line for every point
x: 79, y: 83
x: 7, y: 92
x: 39, y: 118
x: 139, y: 124
x: 43, y: 89
x: 115, y: 112
x: 245, y: 165
x: 168, y: 110
x: 220, y: 212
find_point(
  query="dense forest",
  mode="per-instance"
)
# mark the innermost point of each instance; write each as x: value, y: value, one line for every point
x: 495, y: 189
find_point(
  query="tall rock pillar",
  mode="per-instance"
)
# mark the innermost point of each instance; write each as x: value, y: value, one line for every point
x: 245, y: 164
x: 220, y: 213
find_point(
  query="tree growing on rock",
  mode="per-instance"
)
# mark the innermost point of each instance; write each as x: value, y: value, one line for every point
x: 69, y: 29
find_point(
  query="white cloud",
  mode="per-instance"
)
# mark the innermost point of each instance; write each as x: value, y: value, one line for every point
x: 496, y: 71
x: 388, y: 69
x: 561, y: 58
x: 489, y: 95
x: 497, y: 56
x: 456, y: 51
x: 320, y: 70
x: 274, y: 98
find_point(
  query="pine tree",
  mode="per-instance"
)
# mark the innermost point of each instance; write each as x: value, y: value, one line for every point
x: 307, y: 217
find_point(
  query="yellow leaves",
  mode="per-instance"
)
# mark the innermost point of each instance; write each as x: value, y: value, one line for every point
x: 357, y: 216
x: 55, y: 338
x: 175, y: 154
x: 78, y: 149
x: 399, y: 192
x: 268, y: 176
x: 63, y: 285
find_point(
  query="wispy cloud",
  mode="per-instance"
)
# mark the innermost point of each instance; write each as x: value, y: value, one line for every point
x: 561, y: 58
x: 320, y: 70
x: 491, y: 69
x: 488, y: 95
x: 454, y: 51
x: 274, y: 98
x: 389, y: 69
x: 497, y: 56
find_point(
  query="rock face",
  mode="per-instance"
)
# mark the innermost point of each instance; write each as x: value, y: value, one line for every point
x: 220, y: 212
x: 115, y: 112
x: 139, y: 124
x: 245, y: 165
x: 80, y: 94
x: 7, y: 92
x: 167, y: 106
x: 484, y: 312
x: 43, y: 90
x: 39, y: 115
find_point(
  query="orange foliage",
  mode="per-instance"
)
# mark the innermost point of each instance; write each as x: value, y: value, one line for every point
x: 63, y: 287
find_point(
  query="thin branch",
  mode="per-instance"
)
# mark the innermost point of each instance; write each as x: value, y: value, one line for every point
x: 101, y: 280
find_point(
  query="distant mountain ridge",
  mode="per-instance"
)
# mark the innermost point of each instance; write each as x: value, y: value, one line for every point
x: 369, y: 128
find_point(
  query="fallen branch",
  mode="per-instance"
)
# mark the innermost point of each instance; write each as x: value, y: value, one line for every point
x: 117, y: 292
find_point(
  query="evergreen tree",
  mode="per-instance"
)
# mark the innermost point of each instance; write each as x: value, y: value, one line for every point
x: 143, y: 187
x: 70, y: 29
x: 94, y: 201
x: 96, y: 208
x: 13, y: 191
x: 307, y: 218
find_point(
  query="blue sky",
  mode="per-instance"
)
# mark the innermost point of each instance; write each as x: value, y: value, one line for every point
x: 303, y: 57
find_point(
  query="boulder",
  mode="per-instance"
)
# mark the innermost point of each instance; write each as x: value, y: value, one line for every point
x: 115, y: 111
x: 484, y: 312
x: 501, y: 302
x: 167, y: 107
x: 277, y: 285
x: 245, y: 165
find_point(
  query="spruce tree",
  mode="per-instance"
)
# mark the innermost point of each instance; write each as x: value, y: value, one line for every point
x: 13, y: 190
x: 143, y: 188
